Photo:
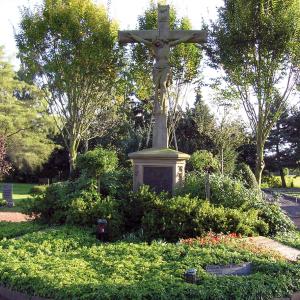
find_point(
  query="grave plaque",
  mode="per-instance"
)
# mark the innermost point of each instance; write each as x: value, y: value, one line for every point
x: 159, y: 178
x: 7, y: 194
x: 232, y: 269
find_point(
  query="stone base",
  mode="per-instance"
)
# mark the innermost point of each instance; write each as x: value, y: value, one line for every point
x: 162, y: 169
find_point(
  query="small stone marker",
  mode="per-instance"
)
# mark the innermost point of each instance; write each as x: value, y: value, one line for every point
x: 7, y: 194
x: 232, y: 269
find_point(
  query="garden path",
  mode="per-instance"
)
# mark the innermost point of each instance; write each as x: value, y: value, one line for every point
x: 13, y: 217
x: 289, y: 204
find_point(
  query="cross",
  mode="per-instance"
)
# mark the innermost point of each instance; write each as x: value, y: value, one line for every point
x: 160, y: 41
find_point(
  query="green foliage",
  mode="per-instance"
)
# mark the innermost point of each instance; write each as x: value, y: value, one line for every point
x: 24, y: 120
x: 244, y: 172
x: 12, y: 230
x: 96, y: 162
x: 38, y: 190
x: 69, y: 263
x: 291, y: 238
x: 274, y: 216
x: 68, y: 49
x: 224, y: 190
x: 256, y: 43
x: 2, y: 202
x: 76, y: 202
x: 184, y: 216
x: 204, y: 161
x: 271, y: 181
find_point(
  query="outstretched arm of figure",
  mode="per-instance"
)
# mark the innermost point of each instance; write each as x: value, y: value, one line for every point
x: 139, y: 39
x: 182, y: 40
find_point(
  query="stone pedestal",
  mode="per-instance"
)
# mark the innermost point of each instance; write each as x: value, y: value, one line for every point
x: 162, y: 169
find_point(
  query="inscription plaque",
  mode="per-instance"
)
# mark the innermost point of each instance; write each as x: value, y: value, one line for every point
x: 159, y: 178
x: 232, y: 269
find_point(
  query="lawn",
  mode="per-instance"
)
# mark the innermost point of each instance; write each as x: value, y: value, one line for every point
x: 20, y: 194
x: 69, y: 263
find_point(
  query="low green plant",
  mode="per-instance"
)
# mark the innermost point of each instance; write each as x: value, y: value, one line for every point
x: 11, y: 229
x: 291, y: 238
x: 69, y: 263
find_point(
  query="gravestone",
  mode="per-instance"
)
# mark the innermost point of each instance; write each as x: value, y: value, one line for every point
x: 232, y: 269
x: 148, y: 162
x: 7, y: 194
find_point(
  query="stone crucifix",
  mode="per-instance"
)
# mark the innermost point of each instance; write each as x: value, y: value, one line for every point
x: 160, y: 41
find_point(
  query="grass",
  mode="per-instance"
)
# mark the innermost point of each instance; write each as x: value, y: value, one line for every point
x: 69, y: 263
x: 20, y: 194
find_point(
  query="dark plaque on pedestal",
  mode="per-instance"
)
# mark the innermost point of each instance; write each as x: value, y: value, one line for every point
x: 159, y: 178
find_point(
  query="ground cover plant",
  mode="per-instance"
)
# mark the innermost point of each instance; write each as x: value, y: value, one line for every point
x: 11, y: 229
x: 21, y: 192
x: 291, y: 238
x: 69, y: 263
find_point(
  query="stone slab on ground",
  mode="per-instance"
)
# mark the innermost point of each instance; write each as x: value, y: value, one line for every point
x: 289, y: 253
x: 14, y: 217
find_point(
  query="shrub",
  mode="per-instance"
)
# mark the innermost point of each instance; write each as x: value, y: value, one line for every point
x: 77, y: 203
x: 185, y: 216
x: 224, y: 190
x: 277, y: 220
x: 272, y: 181
x: 38, y: 190
x: 245, y: 174
x: 2, y: 202
x: 204, y: 161
x: 96, y: 162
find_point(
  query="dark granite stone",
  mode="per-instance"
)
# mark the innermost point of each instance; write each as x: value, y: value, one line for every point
x: 232, y: 269
x: 159, y: 178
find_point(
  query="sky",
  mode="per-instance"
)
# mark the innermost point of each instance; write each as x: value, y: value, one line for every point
x: 125, y: 12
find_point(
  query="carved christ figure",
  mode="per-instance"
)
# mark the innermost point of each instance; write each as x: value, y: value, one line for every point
x: 161, y: 72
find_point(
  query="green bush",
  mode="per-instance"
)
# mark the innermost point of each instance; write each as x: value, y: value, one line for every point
x: 96, y: 162
x: 204, y: 161
x: 245, y: 174
x: 185, y: 216
x: 224, y: 190
x: 76, y: 202
x: 273, y: 215
x: 38, y: 190
x: 2, y: 202
x: 272, y: 181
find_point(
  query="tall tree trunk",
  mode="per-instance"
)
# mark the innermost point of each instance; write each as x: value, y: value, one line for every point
x: 260, y: 164
x: 283, y: 182
x: 72, y: 156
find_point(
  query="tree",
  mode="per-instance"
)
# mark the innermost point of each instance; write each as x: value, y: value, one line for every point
x: 5, y: 166
x: 67, y: 47
x: 257, y: 44
x: 283, y: 143
x: 24, y: 121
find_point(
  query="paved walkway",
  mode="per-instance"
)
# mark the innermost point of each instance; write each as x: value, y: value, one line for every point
x: 289, y: 253
x: 289, y: 205
x: 13, y: 217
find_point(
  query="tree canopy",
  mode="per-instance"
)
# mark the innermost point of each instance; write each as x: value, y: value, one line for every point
x: 68, y: 48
